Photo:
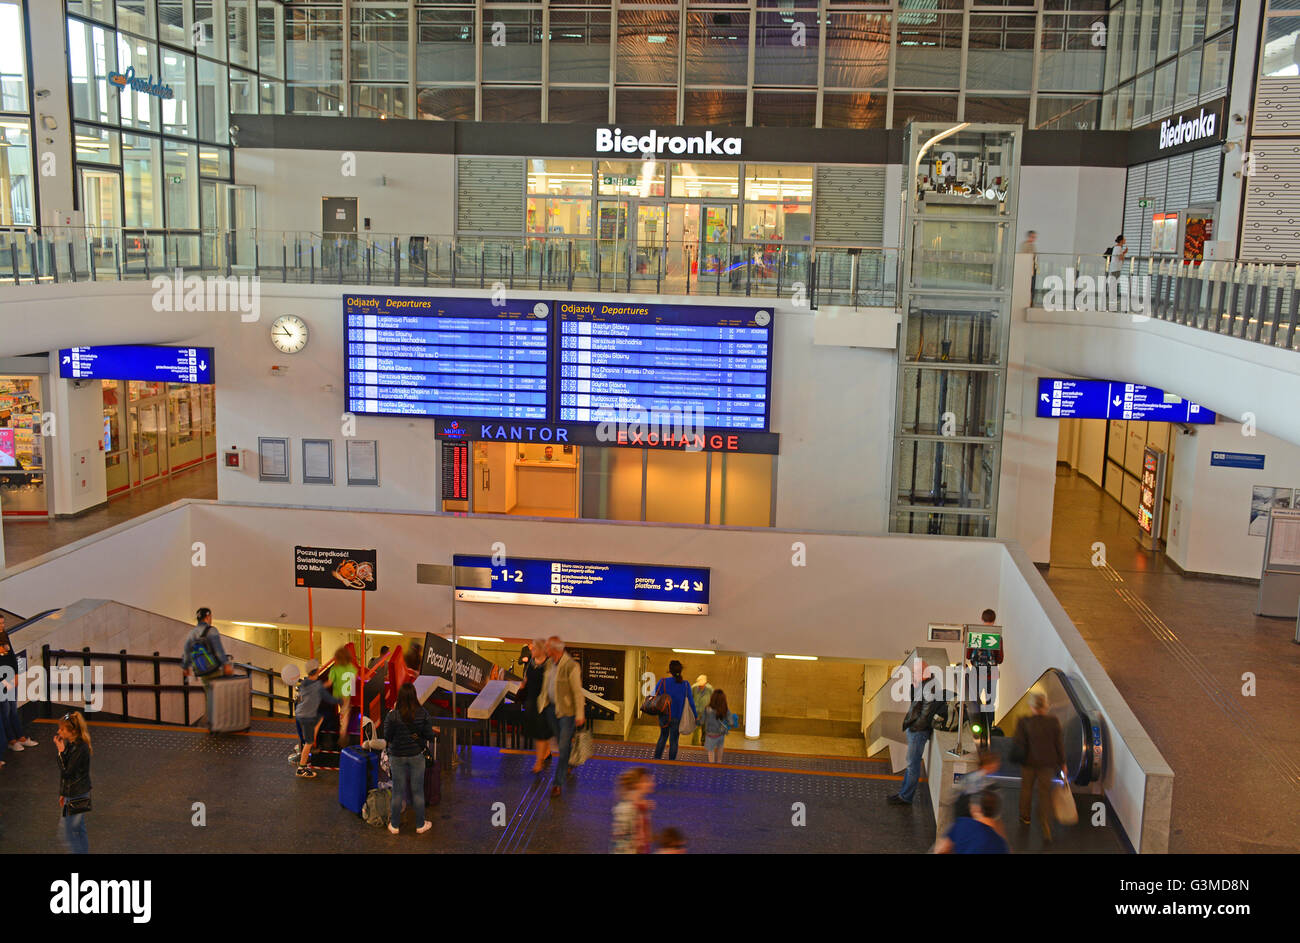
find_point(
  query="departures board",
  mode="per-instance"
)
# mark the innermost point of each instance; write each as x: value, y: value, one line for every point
x: 572, y: 363
x: 412, y: 356
x: 709, y: 363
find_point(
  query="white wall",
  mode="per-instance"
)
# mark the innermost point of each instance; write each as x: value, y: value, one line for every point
x: 1074, y: 210
x: 1211, y: 505
x: 78, y: 430
x: 418, y: 197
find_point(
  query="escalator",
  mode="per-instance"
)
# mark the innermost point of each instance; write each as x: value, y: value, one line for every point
x: 1081, y: 723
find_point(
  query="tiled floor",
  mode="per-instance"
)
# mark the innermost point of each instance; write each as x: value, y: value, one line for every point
x: 25, y: 540
x: 771, y: 742
x: 1178, y: 648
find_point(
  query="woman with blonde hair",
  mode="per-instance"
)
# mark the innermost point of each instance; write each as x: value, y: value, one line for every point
x: 72, y: 741
x: 536, y: 724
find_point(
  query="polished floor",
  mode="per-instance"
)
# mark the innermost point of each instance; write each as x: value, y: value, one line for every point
x: 1181, y: 651
x: 25, y: 540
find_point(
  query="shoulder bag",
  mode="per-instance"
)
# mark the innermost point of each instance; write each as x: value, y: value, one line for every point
x: 657, y: 704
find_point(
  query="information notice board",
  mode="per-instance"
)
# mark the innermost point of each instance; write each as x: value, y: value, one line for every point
x: 1279, y: 579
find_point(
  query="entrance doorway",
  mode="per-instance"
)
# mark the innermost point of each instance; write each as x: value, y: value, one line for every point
x: 154, y: 430
x: 101, y: 197
x: 647, y: 241
x: 632, y: 234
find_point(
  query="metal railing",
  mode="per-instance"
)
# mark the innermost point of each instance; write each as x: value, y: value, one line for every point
x: 51, y: 659
x: 831, y: 275
x: 1252, y: 301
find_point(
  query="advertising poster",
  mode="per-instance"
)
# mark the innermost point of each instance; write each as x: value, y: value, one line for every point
x: 602, y: 671
x: 472, y: 669
x: 331, y: 568
x: 1264, y: 499
x: 8, y: 449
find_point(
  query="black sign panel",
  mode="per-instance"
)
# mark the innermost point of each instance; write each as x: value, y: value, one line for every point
x: 332, y: 568
x: 632, y: 436
x: 1190, y: 130
x: 455, y: 470
x: 472, y: 669
x: 602, y: 671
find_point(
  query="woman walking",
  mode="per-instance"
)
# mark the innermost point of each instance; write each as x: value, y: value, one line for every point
x: 407, y: 729
x: 679, y: 694
x: 72, y: 741
x: 536, y: 724
x: 717, y: 722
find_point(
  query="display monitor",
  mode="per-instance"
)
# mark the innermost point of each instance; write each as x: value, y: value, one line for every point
x: 464, y: 357
x: 8, y: 449
x: 702, y: 366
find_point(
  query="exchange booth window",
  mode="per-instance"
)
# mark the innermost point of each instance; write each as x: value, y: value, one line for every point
x: 677, y: 487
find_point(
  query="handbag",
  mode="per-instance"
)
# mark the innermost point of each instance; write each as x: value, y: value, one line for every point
x: 78, y: 806
x: 658, y: 703
x: 1063, y: 805
x: 580, y: 752
x: 688, y: 722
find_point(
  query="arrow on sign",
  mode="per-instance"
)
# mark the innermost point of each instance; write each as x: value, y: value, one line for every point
x: 1116, y: 401
x: 67, y: 360
x: 699, y: 586
x: 1044, y: 397
x: 203, y: 365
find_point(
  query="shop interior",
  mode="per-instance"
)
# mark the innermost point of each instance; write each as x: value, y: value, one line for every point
x: 22, y: 460
x: 154, y: 430
x: 619, y: 484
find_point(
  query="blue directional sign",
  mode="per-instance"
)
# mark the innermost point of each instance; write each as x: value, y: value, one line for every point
x: 1110, y: 399
x: 1237, y: 460
x: 137, y: 362
x: 587, y: 585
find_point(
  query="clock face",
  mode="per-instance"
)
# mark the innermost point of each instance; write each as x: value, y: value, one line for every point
x: 289, y: 334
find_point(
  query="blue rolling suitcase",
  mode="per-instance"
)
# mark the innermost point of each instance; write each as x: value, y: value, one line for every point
x: 358, y: 774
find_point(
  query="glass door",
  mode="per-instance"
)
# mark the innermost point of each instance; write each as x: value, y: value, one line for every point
x: 152, y: 443
x: 101, y: 200
x: 716, y: 224
x: 649, y: 241
x: 611, y: 234
x: 242, y: 224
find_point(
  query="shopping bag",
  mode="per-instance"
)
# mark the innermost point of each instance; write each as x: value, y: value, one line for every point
x: 1063, y: 805
x: 580, y: 751
x: 686, y: 725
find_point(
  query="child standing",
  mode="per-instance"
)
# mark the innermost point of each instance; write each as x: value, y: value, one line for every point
x: 306, y: 715
x: 718, y: 719
x: 632, y: 834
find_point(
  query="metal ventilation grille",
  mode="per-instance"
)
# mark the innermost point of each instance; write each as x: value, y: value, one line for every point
x: 1205, y: 176
x: 1179, y: 183
x: 490, y: 195
x: 1135, y: 216
x: 850, y: 205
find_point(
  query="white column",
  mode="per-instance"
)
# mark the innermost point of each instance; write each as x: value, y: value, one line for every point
x: 753, y: 695
x: 74, y: 457
x: 52, y: 124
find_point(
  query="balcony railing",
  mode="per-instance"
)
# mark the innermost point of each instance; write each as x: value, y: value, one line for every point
x: 1252, y: 301
x: 816, y: 275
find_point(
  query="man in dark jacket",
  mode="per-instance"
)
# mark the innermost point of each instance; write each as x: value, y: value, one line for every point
x: 1040, y: 740
x: 928, y: 707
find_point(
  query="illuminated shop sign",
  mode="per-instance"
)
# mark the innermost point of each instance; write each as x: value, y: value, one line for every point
x: 614, y: 141
x: 1174, y: 132
x: 128, y: 79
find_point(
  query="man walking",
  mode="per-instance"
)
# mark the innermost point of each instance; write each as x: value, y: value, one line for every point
x: 928, y: 705
x: 204, y: 655
x: 562, y: 690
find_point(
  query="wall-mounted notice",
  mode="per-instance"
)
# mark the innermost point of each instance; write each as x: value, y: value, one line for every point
x: 576, y: 584
x: 137, y: 362
x: 1237, y: 460
x: 466, y: 357
x: 272, y: 459
x: 332, y: 568
x: 602, y: 671
x: 1264, y: 499
x: 363, y: 461
x: 1284, y: 542
x: 317, y: 462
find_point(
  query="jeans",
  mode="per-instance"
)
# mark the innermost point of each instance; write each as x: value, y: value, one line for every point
x: 916, y: 741
x: 408, y: 778
x: 564, y: 727
x: 9, y: 719
x: 668, y: 733
x: 72, y: 829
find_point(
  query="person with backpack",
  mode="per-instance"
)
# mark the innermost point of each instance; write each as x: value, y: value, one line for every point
x: 72, y: 741
x: 204, y: 657
x: 407, y: 729
x: 679, y: 695
x: 1116, y: 254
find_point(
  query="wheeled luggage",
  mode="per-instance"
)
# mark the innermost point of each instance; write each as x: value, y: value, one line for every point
x: 358, y: 774
x: 230, y: 702
x: 432, y: 783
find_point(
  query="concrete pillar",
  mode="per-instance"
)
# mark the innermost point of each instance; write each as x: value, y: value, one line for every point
x: 52, y: 128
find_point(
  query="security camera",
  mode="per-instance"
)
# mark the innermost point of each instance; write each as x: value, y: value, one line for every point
x: 42, y: 93
x: 1239, y: 119
x: 1229, y: 146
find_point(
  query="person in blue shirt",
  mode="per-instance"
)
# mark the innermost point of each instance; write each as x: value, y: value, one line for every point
x: 981, y: 834
x: 679, y: 692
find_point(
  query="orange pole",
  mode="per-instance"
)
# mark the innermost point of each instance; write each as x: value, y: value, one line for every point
x: 311, y: 643
x: 363, y: 628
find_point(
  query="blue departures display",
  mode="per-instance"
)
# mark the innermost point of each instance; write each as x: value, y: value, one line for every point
x: 707, y: 363
x: 414, y: 356
x: 145, y: 362
x: 1108, y: 399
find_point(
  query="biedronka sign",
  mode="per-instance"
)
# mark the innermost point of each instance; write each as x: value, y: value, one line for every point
x: 616, y: 142
x: 1177, y: 132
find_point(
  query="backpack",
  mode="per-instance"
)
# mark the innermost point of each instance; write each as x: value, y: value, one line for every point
x: 378, y: 807
x: 204, y: 655
x: 1109, y: 251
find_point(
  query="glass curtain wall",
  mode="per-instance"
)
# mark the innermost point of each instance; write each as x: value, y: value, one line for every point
x: 148, y: 161
x: 17, y: 186
x: 1164, y: 56
x: 773, y: 63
